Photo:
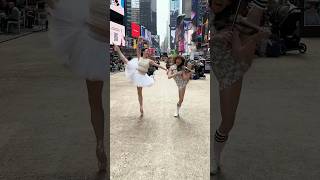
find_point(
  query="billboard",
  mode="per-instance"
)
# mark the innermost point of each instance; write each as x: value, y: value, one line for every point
x: 194, y: 12
x: 117, y: 6
x: 147, y: 35
x: 135, y: 30
x: 143, y: 31
x: 117, y: 34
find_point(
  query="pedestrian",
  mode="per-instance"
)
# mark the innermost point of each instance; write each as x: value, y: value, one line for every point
x: 80, y: 35
x: 137, y: 68
x: 231, y: 54
x: 181, y: 76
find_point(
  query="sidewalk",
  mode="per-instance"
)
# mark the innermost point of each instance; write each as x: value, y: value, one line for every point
x: 4, y: 37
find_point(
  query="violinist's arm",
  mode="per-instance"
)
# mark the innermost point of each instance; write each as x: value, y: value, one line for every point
x: 186, y: 75
x: 244, y: 51
x: 255, y: 13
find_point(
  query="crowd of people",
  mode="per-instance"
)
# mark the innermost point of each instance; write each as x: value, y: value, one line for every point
x: 22, y: 13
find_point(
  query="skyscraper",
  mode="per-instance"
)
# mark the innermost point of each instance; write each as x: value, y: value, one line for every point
x: 154, y: 16
x: 145, y: 13
x: 135, y: 11
x: 186, y: 8
x: 128, y: 16
x: 174, y: 12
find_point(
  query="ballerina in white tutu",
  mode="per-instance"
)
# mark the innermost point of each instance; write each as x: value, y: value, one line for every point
x: 79, y: 34
x: 136, y: 70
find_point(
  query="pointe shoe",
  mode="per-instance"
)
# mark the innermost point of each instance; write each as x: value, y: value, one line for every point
x: 102, y: 158
x: 215, y: 168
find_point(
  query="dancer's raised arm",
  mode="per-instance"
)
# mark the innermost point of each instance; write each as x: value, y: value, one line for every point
x: 171, y: 74
x: 138, y: 50
x: 122, y: 57
x: 157, y: 65
x: 186, y: 75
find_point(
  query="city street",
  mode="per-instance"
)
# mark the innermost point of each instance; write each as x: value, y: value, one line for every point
x: 276, y: 134
x: 159, y: 146
x: 46, y: 131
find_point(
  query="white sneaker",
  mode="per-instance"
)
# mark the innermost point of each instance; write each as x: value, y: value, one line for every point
x: 177, y: 112
x: 215, y: 168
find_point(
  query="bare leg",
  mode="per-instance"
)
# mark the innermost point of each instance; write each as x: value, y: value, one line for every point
x: 181, y: 98
x: 229, y: 100
x: 97, y: 119
x: 140, y: 98
x: 182, y: 92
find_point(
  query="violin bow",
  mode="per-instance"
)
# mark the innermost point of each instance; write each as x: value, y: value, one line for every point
x: 236, y: 16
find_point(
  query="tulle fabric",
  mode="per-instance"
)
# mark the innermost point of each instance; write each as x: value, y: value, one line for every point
x: 135, y: 77
x: 75, y: 44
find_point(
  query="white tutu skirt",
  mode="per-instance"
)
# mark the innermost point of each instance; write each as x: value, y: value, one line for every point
x: 135, y: 77
x: 75, y: 44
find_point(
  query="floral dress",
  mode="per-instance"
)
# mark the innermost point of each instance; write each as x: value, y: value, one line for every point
x: 225, y: 67
x: 181, y: 83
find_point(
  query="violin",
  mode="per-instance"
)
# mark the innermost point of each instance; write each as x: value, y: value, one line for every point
x: 241, y: 24
x: 245, y: 27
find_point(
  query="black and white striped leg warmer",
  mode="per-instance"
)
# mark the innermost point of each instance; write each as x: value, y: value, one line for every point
x: 261, y: 4
x: 219, y: 143
x: 219, y: 137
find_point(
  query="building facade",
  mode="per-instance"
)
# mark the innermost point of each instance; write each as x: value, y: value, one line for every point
x: 174, y: 13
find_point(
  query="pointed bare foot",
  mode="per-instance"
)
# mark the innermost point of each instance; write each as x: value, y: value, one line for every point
x: 141, y: 111
x: 102, y: 158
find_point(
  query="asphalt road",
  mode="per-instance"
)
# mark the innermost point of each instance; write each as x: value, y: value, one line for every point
x: 46, y: 132
x: 159, y: 146
x: 276, y: 134
x: 45, y: 123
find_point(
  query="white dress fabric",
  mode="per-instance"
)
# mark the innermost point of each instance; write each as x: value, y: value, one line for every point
x: 134, y: 76
x: 81, y: 50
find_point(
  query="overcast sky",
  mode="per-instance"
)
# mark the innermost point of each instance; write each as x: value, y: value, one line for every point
x: 162, y: 17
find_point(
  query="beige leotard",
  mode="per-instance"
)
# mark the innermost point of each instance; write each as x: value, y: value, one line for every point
x: 143, y: 65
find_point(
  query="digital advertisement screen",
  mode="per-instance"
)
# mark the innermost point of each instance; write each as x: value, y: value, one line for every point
x: 117, y: 34
x: 146, y: 33
x: 143, y: 31
x: 117, y: 6
x: 135, y: 30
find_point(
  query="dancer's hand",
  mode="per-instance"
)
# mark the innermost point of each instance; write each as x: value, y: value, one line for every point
x: 179, y: 73
x: 116, y: 48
